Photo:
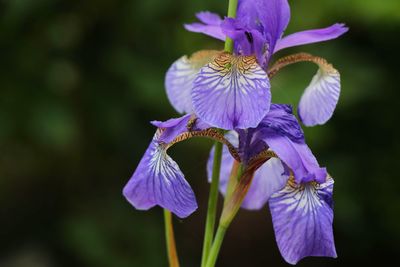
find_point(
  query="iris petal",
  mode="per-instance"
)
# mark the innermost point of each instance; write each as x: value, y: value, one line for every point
x: 282, y: 133
x: 159, y: 181
x: 311, y: 36
x: 180, y: 76
x: 231, y: 92
x: 320, y: 98
x: 210, y: 25
x: 302, y: 216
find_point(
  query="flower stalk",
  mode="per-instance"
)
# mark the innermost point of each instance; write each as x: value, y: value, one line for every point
x: 212, y: 203
x: 170, y: 240
x: 232, y: 8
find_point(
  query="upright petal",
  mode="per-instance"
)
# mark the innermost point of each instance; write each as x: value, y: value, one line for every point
x: 210, y: 25
x: 311, y: 36
x: 231, y: 92
x: 302, y: 216
x: 270, y: 17
x: 180, y: 76
x: 159, y: 181
x: 320, y: 98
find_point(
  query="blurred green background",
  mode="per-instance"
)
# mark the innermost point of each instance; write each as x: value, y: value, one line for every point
x: 79, y: 82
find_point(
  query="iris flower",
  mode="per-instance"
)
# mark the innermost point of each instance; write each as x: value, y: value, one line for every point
x: 231, y: 91
x: 298, y: 190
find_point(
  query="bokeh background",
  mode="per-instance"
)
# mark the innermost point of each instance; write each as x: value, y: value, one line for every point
x: 79, y: 83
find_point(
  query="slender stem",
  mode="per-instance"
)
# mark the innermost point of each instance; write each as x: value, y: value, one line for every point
x: 219, y: 237
x: 170, y: 239
x: 212, y: 203
x: 232, y: 14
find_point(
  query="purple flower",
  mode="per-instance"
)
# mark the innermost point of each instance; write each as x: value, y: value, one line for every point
x: 298, y: 190
x: 258, y: 30
x: 158, y: 180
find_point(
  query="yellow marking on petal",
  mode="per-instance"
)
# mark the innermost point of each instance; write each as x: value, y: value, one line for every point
x: 202, y: 57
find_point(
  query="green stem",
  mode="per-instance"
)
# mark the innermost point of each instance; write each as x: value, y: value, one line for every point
x: 232, y: 8
x: 170, y: 240
x: 212, y: 203
x: 219, y: 237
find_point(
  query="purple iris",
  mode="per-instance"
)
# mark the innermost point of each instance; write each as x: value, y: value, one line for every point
x: 298, y: 190
x: 257, y: 31
x: 232, y: 92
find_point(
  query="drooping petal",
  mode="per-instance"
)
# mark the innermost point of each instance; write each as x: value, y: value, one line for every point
x: 159, y: 181
x: 282, y: 133
x: 311, y: 36
x: 302, y: 217
x: 180, y: 76
x: 231, y: 92
x: 210, y: 25
x: 320, y: 98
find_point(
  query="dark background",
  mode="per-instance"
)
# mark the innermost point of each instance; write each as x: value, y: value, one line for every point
x: 79, y: 82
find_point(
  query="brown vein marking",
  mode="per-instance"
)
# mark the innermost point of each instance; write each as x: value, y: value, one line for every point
x: 208, y: 133
x: 300, y: 57
x: 242, y: 63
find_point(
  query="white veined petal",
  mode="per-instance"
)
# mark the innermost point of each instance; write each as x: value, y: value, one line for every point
x: 231, y: 92
x: 302, y: 216
x: 320, y: 98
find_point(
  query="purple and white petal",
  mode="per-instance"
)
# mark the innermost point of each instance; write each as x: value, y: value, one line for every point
x: 302, y: 217
x: 320, y: 98
x: 210, y: 25
x: 268, y: 179
x: 311, y: 36
x: 231, y: 92
x: 180, y: 76
x: 159, y: 181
